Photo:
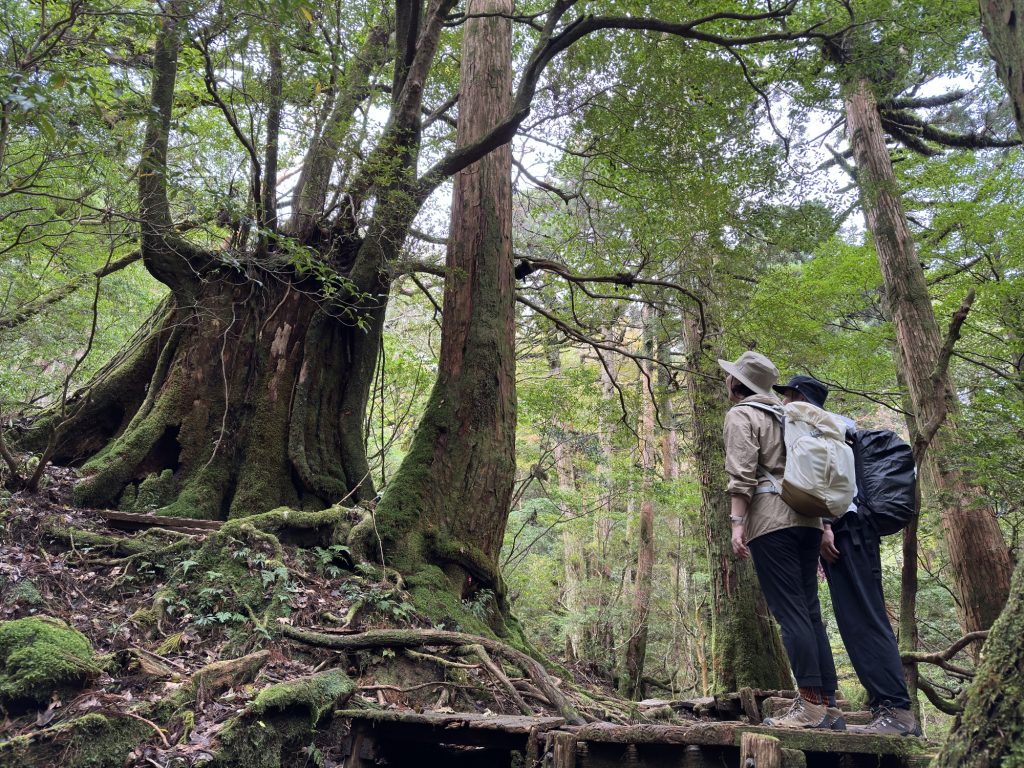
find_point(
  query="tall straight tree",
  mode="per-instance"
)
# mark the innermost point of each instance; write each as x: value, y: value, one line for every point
x: 631, y: 680
x: 977, y: 552
x: 465, y: 441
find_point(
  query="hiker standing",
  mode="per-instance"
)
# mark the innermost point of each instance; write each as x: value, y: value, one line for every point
x: 853, y: 567
x: 784, y: 544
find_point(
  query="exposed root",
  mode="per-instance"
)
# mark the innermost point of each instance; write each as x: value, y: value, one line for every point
x: 414, y: 638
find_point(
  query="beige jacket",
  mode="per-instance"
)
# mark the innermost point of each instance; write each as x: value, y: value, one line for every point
x: 754, y: 437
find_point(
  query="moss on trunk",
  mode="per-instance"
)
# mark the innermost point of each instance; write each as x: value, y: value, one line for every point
x: 990, y: 731
x: 251, y: 399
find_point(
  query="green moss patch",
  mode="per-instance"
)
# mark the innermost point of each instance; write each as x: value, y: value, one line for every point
x: 40, y: 656
x: 282, y: 720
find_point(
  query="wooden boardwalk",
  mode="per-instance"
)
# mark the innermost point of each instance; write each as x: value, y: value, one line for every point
x: 398, y: 738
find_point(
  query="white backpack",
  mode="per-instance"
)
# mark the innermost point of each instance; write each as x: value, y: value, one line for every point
x: 820, y: 477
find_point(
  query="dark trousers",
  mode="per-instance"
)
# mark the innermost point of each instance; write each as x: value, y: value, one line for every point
x: 786, y: 562
x: 855, y: 582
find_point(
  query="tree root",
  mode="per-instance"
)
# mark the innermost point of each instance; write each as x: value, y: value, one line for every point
x: 413, y: 638
x: 500, y: 677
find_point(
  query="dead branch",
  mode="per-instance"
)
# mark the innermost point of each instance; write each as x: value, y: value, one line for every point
x: 500, y: 677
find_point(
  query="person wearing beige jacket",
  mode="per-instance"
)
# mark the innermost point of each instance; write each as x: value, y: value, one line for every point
x: 784, y: 545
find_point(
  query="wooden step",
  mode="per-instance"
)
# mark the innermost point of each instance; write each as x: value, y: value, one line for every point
x: 136, y: 521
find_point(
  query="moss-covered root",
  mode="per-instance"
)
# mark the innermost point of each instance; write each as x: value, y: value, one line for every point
x: 292, y: 526
x: 90, y: 741
x: 40, y: 656
x: 281, y: 720
x: 990, y: 731
x: 104, y: 740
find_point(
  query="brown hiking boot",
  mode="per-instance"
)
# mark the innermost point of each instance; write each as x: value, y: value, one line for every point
x: 803, y: 714
x: 890, y: 721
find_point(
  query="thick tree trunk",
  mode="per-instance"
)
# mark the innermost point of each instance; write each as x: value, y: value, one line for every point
x: 980, y: 559
x: 990, y: 732
x: 746, y: 649
x: 448, y: 502
x: 631, y: 681
x: 254, y: 399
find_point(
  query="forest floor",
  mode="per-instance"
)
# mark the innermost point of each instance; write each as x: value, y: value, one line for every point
x: 196, y: 644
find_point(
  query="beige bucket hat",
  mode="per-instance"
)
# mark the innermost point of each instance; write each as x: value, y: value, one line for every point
x: 753, y: 369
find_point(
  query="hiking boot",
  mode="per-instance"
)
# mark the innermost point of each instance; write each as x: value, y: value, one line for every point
x: 834, y: 719
x: 803, y: 714
x: 889, y: 721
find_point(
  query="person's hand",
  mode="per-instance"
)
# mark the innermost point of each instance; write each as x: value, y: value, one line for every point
x: 829, y: 553
x: 739, y: 548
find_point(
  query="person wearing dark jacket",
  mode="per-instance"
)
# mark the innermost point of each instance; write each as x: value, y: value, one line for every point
x: 783, y: 544
x: 853, y: 567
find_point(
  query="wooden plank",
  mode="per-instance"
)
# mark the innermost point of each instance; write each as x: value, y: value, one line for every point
x: 707, y: 733
x: 562, y: 747
x: 137, y: 521
x: 514, y: 724
x: 759, y: 750
x: 748, y: 703
x: 815, y: 740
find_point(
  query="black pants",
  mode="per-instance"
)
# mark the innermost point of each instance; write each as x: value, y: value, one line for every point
x: 786, y: 562
x: 855, y: 581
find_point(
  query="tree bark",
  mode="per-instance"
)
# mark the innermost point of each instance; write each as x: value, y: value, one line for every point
x: 465, y: 441
x: 631, y: 681
x: 746, y: 649
x: 1001, y: 21
x: 980, y: 559
x: 990, y: 732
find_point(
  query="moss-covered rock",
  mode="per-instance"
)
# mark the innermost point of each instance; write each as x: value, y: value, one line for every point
x: 281, y: 720
x: 89, y: 741
x: 39, y: 656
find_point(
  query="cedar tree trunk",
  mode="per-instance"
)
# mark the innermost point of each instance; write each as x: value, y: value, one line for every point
x: 248, y: 388
x: 631, y: 681
x: 1001, y: 21
x: 448, y: 503
x: 746, y: 649
x: 980, y: 560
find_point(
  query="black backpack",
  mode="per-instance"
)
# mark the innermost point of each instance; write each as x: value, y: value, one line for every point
x: 886, y: 480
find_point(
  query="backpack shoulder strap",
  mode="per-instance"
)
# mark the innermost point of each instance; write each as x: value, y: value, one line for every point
x: 762, y: 471
x: 776, y: 412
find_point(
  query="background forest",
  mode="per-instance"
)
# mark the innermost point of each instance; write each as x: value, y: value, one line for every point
x: 684, y: 187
